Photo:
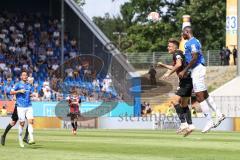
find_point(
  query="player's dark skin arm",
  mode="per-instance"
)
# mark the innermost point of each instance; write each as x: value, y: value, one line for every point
x: 201, y: 96
x: 191, y: 63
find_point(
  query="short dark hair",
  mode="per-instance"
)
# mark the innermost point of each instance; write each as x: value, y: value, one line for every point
x: 188, y: 29
x: 174, y: 41
x: 24, y: 71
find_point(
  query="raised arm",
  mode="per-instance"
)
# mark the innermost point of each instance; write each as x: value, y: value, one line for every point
x: 174, y: 68
x: 160, y: 64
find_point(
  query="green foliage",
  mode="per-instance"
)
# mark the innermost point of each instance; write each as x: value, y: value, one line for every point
x: 208, y: 22
x: 109, y: 25
x: 80, y: 2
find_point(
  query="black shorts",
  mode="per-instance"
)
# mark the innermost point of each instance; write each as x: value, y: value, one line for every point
x: 186, y: 87
x: 15, y: 114
x: 74, y: 115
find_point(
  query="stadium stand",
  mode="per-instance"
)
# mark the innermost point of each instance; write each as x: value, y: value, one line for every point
x: 30, y: 38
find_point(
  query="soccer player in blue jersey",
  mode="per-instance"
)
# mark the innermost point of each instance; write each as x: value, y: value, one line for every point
x: 23, y: 91
x: 196, y: 64
x: 14, y: 117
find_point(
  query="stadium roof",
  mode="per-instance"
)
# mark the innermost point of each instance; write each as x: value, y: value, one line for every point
x: 232, y: 88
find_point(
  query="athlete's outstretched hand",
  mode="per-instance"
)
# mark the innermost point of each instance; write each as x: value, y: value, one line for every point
x: 160, y: 64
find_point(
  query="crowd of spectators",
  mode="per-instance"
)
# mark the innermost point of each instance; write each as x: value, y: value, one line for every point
x: 225, y: 56
x: 32, y: 42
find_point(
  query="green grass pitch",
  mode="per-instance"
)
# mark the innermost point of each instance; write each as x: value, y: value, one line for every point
x: 91, y: 144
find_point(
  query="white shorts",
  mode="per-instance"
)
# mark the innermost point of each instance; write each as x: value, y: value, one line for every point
x: 198, y: 78
x: 24, y: 113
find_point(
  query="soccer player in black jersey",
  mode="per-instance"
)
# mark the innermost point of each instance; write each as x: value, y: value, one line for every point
x: 180, y: 100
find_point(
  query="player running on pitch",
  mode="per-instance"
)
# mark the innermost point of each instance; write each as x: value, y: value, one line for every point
x: 14, y: 117
x: 74, y: 101
x: 23, y: 91
x: 184, y: 92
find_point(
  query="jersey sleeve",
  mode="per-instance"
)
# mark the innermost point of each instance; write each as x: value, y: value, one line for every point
x: 15, y: 87
x: 195, y: 47
x: 178, y: 56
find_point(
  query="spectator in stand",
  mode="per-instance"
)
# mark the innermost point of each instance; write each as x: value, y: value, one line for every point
x: 17, y: 71
x: 30, y: 79
x: 40, y: 94
x: 59, y: 96
x: 235, y: 53
x: 55, y: 66
x: 47, y: 94
x: 2, y: 65
x: 227, y: 57
x: 35, y: 96
x: 7, y: 71
x: 69, y: 72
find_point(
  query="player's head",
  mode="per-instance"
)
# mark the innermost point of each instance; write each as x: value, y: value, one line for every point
x: 73, y: 92
x: 187, y: 32
x: 24, y: 76
x: 9, y: 79
x: 172, y: 46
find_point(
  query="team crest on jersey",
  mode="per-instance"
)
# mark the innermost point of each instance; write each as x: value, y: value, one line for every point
x: 193, y: 47
x: 178, y: 57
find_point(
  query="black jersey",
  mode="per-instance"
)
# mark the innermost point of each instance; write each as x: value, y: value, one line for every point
x: 176, y: 56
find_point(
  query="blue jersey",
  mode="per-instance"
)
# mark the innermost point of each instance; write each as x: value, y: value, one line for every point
x: 7, y: 90
x: 23, y: 99
x: 193, y: 45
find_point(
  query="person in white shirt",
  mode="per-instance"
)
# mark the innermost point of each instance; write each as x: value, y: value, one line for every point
x: 47, y: 94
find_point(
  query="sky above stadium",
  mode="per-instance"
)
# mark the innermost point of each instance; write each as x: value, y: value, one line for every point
x: 100, y: 7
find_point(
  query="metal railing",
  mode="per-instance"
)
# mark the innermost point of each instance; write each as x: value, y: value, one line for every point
x: 141, y: 59
x: 228, y: 105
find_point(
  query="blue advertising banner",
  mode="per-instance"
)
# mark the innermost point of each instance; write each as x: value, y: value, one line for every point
x: 47, y: 109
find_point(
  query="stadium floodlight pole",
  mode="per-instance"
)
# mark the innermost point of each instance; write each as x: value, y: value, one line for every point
x: 62, y: 38
x: 238, y: 37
